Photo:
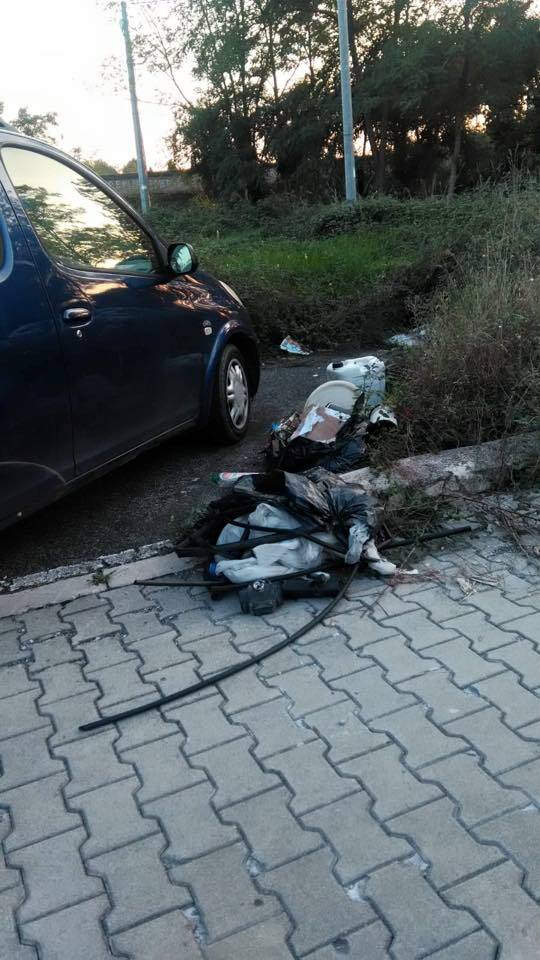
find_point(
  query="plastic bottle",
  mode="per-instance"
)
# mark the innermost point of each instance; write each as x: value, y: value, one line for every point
x: 367, y: 373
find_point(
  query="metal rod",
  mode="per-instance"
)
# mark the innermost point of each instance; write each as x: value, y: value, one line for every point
x: 346, y: 102
x: 139, y: 145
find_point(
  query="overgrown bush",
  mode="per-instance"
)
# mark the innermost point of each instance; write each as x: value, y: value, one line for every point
x: 476, y: 376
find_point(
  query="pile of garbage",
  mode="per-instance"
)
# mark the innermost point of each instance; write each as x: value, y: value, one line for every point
x: 339, y: 421
x: 284, y: 529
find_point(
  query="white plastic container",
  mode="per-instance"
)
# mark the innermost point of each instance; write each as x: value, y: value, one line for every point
x: 367, y: 373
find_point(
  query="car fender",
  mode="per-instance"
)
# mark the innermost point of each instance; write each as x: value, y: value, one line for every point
x: 226, y: 333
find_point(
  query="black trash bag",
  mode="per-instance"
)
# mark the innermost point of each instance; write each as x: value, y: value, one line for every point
x: 347, y: 451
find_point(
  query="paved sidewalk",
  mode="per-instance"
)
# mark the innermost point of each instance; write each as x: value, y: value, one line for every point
x: 373, y: 792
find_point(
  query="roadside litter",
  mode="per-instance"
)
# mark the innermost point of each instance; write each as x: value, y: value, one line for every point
x: 288, y: 532
x: 292, y: 346
x: 407, y: 339
x: 339, y: 420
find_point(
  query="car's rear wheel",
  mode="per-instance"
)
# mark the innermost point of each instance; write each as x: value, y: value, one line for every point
x: 231, y: 403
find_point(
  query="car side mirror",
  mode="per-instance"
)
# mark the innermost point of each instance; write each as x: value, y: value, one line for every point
x: 182, y: 258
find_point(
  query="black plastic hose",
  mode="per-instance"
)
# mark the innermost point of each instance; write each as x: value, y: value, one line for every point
x: 230, y: 671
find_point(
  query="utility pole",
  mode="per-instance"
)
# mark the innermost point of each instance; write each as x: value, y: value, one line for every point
x: 139, y: 146
x: 346, y: 102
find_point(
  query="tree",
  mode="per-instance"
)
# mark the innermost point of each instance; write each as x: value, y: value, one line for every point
x: 35, y: 124
x: 130, y: 166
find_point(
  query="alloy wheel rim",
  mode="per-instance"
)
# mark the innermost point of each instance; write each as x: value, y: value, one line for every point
x: 237, y: 394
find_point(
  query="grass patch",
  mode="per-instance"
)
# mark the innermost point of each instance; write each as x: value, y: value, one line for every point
x: 331, y: 273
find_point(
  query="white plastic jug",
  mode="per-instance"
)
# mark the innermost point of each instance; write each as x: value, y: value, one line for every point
x: 368, y: 373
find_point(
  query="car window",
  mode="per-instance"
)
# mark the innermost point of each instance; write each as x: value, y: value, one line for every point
x: 77, y: 223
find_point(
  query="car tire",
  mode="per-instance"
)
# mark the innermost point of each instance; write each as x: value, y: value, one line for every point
x: 231, y: 402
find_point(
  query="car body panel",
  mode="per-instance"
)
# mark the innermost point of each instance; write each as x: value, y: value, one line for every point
x: 140, y: 369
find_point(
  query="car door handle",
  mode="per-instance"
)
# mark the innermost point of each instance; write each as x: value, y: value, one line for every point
x: 77, y: 316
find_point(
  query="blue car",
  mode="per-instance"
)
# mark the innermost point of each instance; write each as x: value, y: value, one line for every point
x: 110, y: 341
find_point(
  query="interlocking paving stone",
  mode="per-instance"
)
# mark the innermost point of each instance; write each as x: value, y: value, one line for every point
x: 226, y: 895
x: 127, y: 600
x: 304, y: 885
x: 528, y: 627
x: 479, y: 796
x: 191, y: 825
x: 121, y: 682
x: 420, y: 738
x: 11, y: 947
x: 388, y: 604
x: 499, y: 609
x: 177, y: 677
x: 445, y: 700
x: 62, y: 681
x: 393, y: 788
x: 477, y: 946
x: 7, y: 624
x: 162, y: 768
x: 265, y: 940
x: 505, y: 909
x: 214, y: 653
x: 204, y: 724
x: 90, y: 624
x: 281, y: 662
x: 14, y: 680
x: 37, y: 812
x: 172, y: 602
x: 25, y: 758
x: 442, y: 607
x: 483, y: 635
x: 369, y: 943
x: 9, y: 877
x: 273, y: 727
x: 42, y: 623
x: 56, y: 858
x: 397, y: 659
x: 334, y: 656
x: 519, y: 706
x: 289, y: 618
x: 361, y: 630
x: 92, y: 762
x: 235, y: 771
x: 272, y: 832
x: 523, y: 657
x: 345, y: 733
x: 444, y: 843
x: 137, y: 882
x: 104, y: 652
x: 419, y: 629
x: 527, y: 777
x: 68, y: 714
x: 403, y: 895
x: 140, y: 625
x: 195, y: 625
x: 306, y: 690
x: 373, y: 694
x: 51, y: 653
x: 500, y: 746
x: 249, y: 693
x: 83, y: 603
x: 149, y: 727
x: 165, y: 938
x: 10, y: 651
x: 466, y: 666
x: 310, y: 776
x: 519, y: 834
x: 106, y: 829
x: 158, y: 652
x: 359, y: 840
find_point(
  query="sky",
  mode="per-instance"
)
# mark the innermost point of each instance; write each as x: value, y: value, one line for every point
x: 53, y: 57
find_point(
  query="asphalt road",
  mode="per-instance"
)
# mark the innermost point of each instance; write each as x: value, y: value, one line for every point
x: 148, y: 499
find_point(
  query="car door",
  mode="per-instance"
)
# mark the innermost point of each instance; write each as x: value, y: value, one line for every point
x: 36, y: 452
x: 132, y: 336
